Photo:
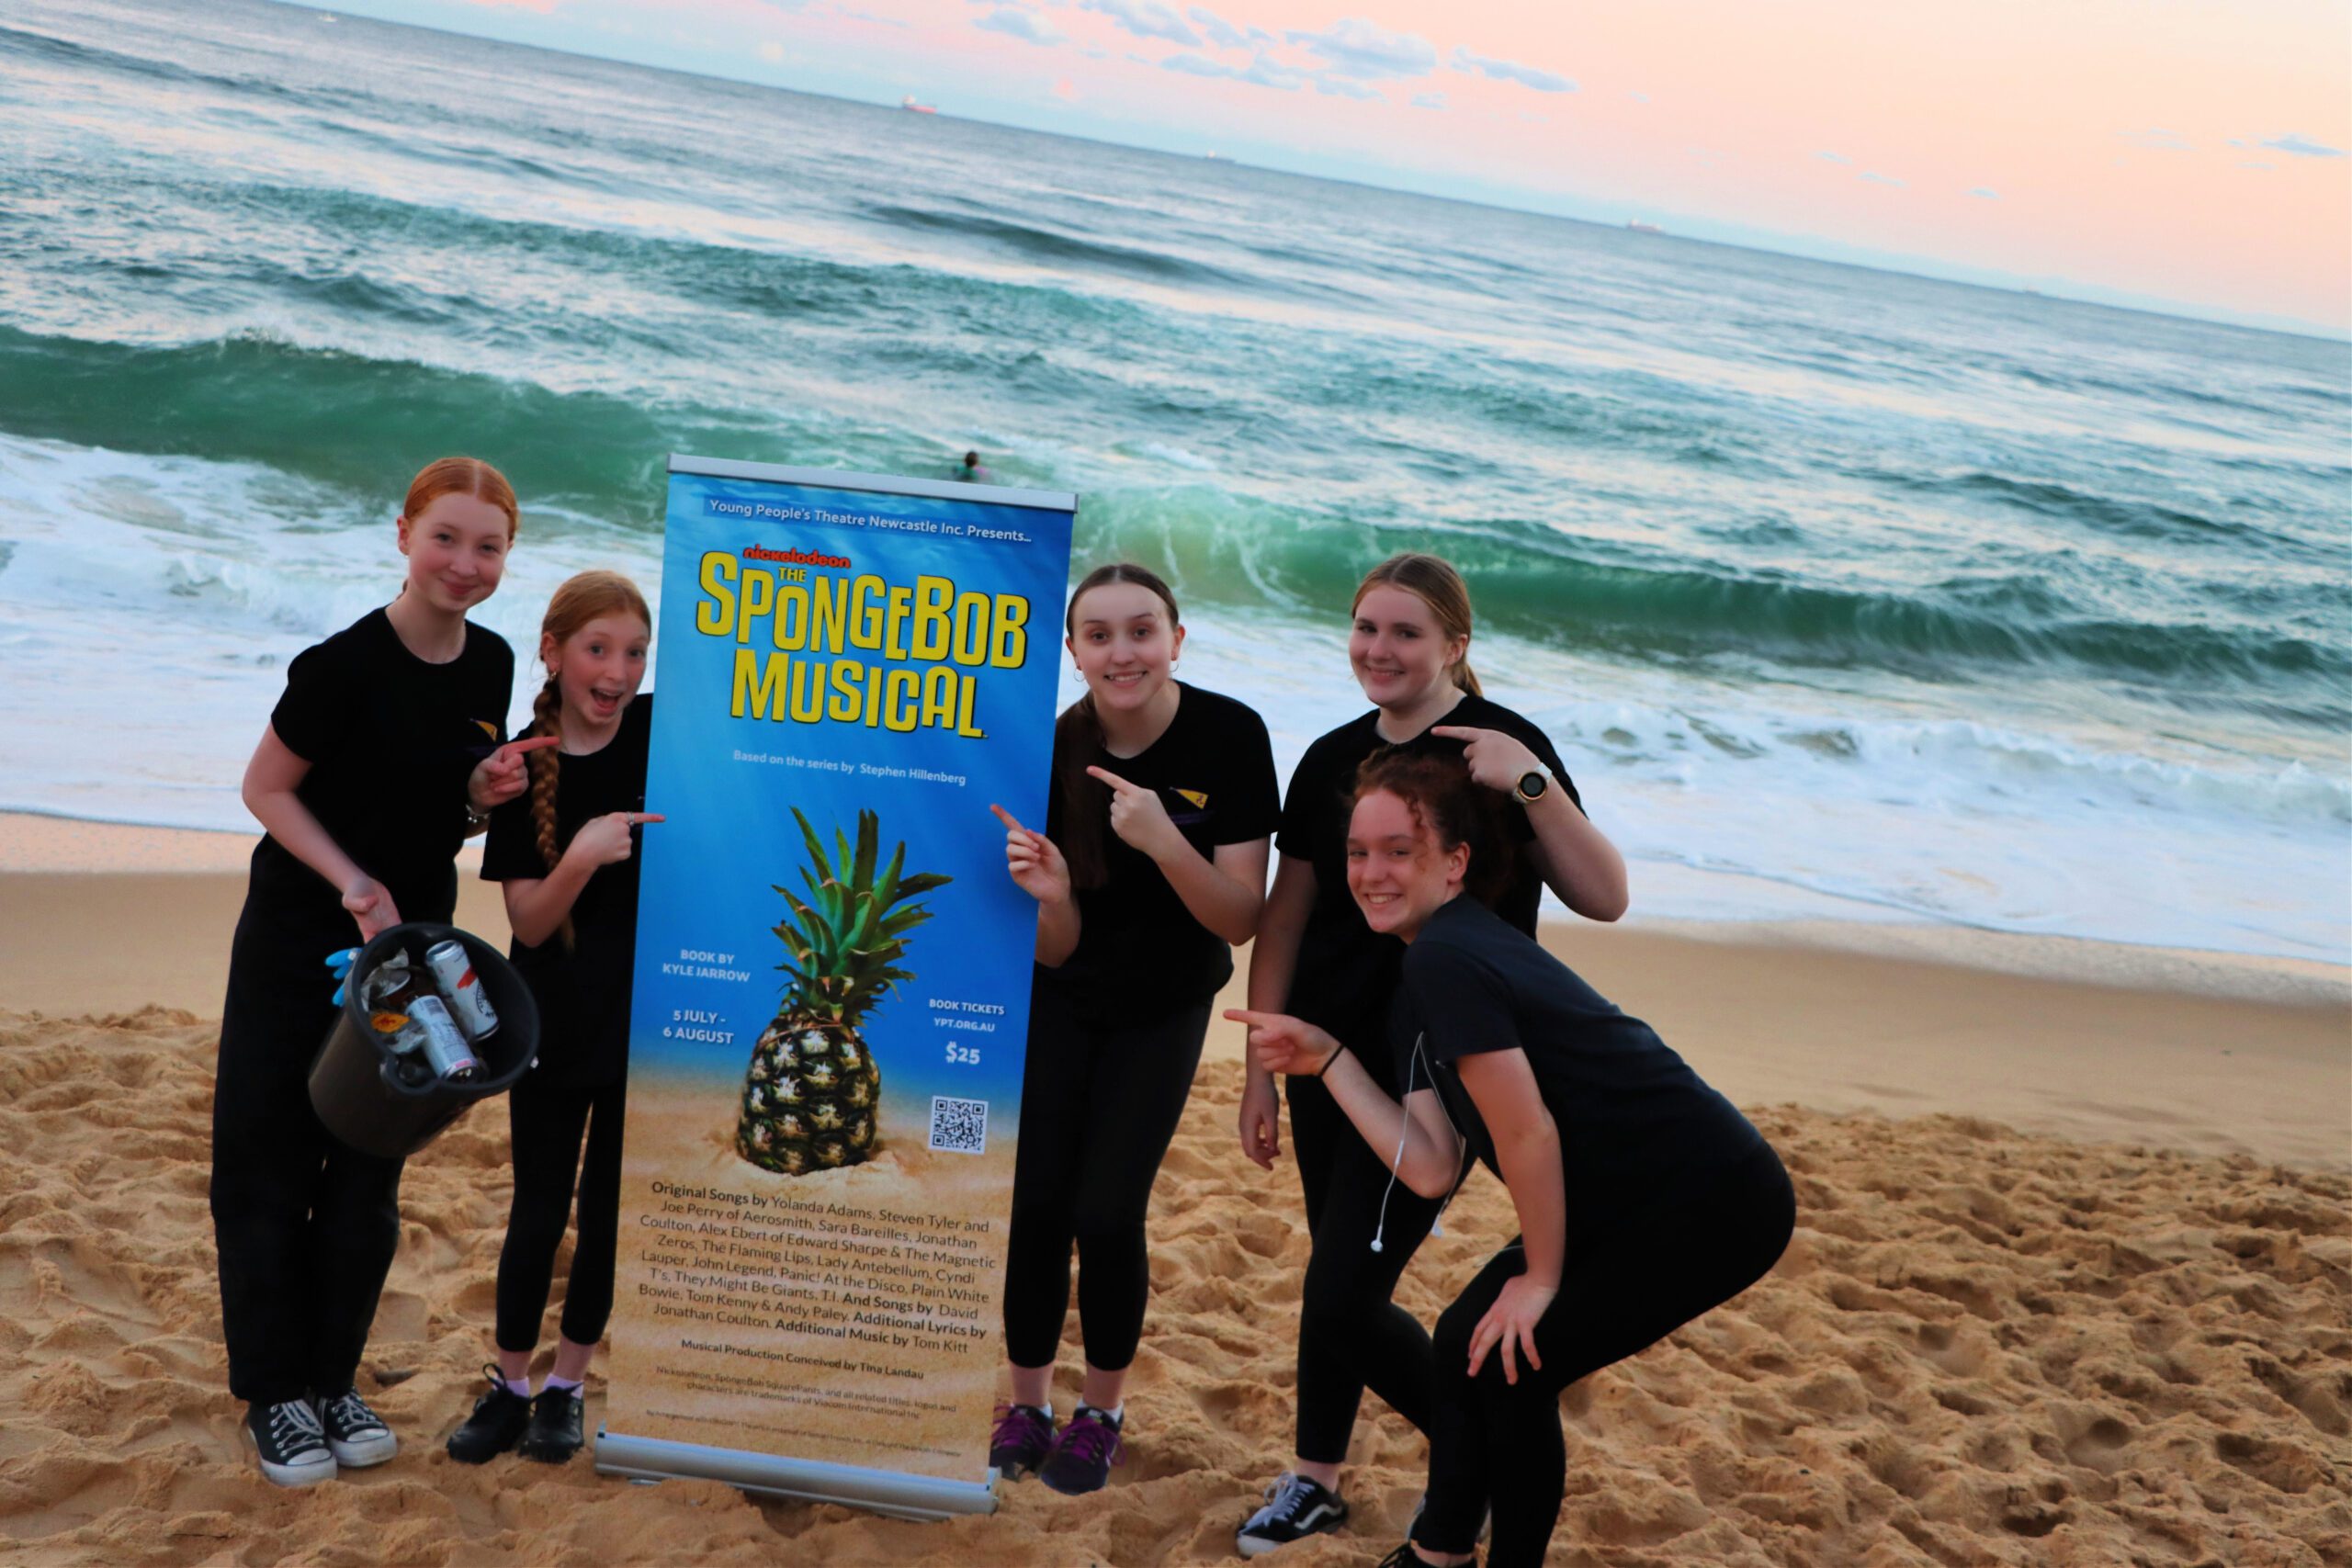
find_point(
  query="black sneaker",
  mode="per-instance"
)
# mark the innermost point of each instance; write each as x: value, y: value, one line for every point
x: 554, y: 1433
x: 1084, y: 1453
x: 1295, y: 1508
x: 292, y: 1444
x: 356, y: 1435
x: 1022, y: 1438
x: 495, y: 1426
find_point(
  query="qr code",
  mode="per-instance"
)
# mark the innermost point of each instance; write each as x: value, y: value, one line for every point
x: 959, y: 1126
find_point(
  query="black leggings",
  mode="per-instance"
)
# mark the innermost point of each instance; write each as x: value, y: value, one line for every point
x: 1350, y: 1335
x: 1098, y: 1107
x: 305, y: 1226
x: 546, y: 1119
x: 1625, y: 1285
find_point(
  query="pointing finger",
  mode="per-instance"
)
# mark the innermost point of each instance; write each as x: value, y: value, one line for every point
x: 1007, y: 817
x: 645, y: 816
x: 517, y: 749
x: 1108, y: 777
x: 1456, y: 731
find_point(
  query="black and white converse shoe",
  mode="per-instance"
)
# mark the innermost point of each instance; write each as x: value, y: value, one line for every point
x: 1295, y: 1508
x: 356, y: 1435
x: 292, y: 1444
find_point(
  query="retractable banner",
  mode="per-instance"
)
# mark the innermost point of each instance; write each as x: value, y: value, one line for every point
x: 832, y: 982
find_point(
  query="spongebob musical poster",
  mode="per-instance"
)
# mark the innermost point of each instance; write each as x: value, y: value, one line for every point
x: 831, y: 989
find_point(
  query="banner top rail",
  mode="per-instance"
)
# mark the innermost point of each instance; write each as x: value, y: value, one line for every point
x: 888, y: 484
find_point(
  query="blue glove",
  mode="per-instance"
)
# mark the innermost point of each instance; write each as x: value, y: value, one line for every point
x: 339, y: 965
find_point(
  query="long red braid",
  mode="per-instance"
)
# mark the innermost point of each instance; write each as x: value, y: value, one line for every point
x: 581, y: 599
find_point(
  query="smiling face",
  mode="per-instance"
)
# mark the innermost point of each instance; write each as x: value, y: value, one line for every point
x: 1124, y: 642
x: 456, y: 551
x: 1398, y: 872
x: 598, y: 667
x: 1397, y: 650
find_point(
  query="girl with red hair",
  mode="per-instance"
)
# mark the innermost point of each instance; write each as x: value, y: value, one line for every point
x: 382, y: 755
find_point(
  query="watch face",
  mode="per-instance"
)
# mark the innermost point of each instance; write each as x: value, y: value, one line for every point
x: 1532, y: 786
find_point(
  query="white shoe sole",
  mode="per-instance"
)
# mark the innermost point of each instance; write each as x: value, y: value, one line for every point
x: 310, y: 1474
x: 1258, y: 1545
x: 365, y: 1452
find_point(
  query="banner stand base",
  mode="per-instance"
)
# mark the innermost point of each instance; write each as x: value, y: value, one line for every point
x: 887, y: 1492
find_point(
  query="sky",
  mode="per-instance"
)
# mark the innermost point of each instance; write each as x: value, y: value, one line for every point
x: 2186, y: 155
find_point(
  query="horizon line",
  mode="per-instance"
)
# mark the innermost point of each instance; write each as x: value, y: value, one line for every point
x: 2164, y: 310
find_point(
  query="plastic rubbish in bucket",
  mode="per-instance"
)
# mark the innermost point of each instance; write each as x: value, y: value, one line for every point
x: 354, y: 1085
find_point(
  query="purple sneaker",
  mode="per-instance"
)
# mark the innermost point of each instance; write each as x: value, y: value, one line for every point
x: 1023, y: 1436
x: 1083, y: 1455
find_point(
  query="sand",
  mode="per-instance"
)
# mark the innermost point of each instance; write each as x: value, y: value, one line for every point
x: 2072, y: 1283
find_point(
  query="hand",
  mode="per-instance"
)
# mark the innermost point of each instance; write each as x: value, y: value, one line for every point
x: 607, y: 839
x: 1286, y: 1045
x: 1511, y: 1322
x: 503, y: 775
x: 1261, y: 1123
x: 1032, y: 860
x: 370, y: 903
x: 1495, y: 760
x: 1140, y: 818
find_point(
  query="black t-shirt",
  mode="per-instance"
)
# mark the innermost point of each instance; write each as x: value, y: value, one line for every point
x: 584, y: 993
x: 1346, y: 971
x: 1632, y: 1117
x: 1138, y: 947
x: 392, y: 741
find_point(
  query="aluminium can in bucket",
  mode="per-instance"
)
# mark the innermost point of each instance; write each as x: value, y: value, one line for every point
x: 355, y: 1084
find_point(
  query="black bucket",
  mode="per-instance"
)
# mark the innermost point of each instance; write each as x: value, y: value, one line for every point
x: 354, y: 1086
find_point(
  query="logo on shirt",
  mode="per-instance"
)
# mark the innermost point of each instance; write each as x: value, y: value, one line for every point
x: 1199, y: 801
x: 488, y: 728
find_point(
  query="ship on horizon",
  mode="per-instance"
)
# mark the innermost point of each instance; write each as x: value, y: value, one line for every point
x: 1638, y: 227
x: 909, y: 104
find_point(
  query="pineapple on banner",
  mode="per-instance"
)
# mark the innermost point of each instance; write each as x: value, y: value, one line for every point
x: 812, y: 1098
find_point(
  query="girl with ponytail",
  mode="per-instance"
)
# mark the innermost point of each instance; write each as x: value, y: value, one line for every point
x: 1316, y: 959
x: 1151, y: 866
x: 565, y: 855
x: 379, y: 760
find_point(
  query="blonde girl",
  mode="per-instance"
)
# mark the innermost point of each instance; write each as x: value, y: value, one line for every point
x: 1408, y: 645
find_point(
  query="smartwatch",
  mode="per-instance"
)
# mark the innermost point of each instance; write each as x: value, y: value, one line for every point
x: 1531, y: 785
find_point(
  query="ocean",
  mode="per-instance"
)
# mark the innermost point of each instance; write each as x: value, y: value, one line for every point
x: 1843, y: 593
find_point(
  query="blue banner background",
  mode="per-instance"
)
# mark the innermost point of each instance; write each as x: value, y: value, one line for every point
x: 710, y: 871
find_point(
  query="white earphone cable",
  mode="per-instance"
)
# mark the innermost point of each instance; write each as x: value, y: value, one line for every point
x: 1396, y: 1162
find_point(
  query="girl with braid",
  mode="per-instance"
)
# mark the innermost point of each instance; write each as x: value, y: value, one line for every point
x: 564, y: 854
